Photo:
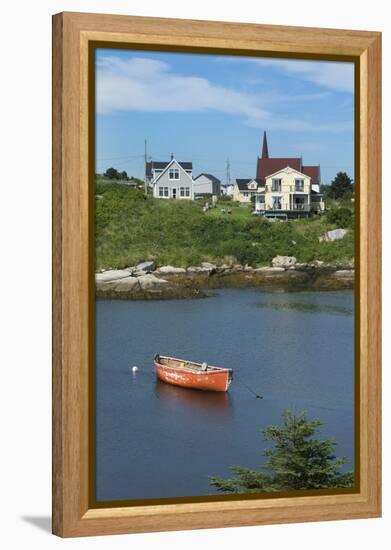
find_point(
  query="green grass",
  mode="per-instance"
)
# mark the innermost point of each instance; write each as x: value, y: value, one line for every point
x: 130, y: 229
x: 237, y: 212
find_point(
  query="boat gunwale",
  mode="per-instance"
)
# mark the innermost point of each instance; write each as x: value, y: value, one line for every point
x: 211, y: 369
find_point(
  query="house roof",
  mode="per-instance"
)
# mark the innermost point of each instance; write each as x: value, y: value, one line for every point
x: 288, y: 170
x: 168, y: 164
x: 267, y: 166
x: 243, y: 183
x: 211, y: 177
x: 313, y: 172
x: 159, y: 165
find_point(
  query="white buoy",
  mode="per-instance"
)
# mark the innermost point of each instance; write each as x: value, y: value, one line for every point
x: 134, y: 369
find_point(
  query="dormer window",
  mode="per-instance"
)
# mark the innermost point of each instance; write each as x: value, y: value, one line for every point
x: 173, y: 174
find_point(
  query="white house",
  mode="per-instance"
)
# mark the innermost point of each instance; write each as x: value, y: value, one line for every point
x: 290, y: 191
x: 228, y: 190
x: 206, y: 184
x: 154, y: 167
x: 172, y: 180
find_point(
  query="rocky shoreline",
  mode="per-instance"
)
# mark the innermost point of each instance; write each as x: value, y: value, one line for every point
x: 147, y: 281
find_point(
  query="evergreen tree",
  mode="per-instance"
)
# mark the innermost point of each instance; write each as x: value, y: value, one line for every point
x: 341, y: 186
x: 297, y: 461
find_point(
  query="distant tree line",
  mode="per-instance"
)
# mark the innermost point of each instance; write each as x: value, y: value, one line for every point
x: 113, y: 174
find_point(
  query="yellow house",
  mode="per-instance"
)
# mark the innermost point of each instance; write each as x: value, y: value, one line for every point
x: 244, y: 189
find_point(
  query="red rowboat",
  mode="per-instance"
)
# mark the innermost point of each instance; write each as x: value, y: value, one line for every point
x: 198, y: 376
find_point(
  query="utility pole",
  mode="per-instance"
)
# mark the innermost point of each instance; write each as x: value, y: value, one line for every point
x: 228, y: 172
x: 145, y: 169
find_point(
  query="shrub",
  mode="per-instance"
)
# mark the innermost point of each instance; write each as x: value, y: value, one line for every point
x: 342, y: 217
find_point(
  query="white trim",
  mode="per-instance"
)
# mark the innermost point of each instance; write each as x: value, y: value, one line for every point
x: 288, y: 170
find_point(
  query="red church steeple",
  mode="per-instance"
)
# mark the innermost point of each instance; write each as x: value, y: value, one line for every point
x: 269, y: 165
x: 265, y: 151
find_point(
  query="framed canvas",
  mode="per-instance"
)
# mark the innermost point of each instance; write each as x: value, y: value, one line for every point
x: 216, y: 274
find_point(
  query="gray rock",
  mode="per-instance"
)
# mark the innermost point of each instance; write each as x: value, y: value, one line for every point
x: 146, y: 267
x: 128, y: 283
x: 206, y: 266
x: 150, y: 282
x: 138, y: 273
x: 111, y: 275
x: 223, y: 267
x: 170, y: 269
x: 283, y: 261
x: 334, y: 235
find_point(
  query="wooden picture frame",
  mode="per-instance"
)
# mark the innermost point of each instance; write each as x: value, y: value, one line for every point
x: 73, y: 34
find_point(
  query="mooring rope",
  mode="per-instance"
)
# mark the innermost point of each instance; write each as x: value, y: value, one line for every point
x: 237, y: 377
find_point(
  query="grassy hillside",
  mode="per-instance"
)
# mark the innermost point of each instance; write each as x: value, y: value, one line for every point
x: 130, y: 229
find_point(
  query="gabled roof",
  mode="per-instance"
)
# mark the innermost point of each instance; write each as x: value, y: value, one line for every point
x: 313, y: 172
x: 243, y: 183
x: 169, y: 164
x: 158, y: 165
x: 267, y: 166
x: 288, y: 170
x: 211, y: 177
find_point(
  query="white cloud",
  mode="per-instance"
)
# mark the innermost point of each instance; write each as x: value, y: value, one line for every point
x: 148, y: 85
x: 145, y: 84
x: 335, y: 76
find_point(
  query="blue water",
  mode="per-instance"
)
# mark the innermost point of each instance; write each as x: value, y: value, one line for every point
x: 154, y: 440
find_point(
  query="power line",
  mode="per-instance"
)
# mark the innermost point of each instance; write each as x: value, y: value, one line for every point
x: 120, y: 158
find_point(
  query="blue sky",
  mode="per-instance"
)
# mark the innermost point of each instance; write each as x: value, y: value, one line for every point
x: 207, y: 108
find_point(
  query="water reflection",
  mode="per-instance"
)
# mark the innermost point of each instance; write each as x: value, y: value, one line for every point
x: 308, y: 303
x: 194, y: 401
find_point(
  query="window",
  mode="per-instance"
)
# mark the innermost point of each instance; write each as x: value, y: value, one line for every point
x: 276, y: 184
x: 276, y: 203
x: 166, y: 191
x: 299, y: 185
x: 299, y: 203
x: 245, y: 193
x: 160, y: 191
x: 182, y: 191
x: 187, y: 189
x: 173, y: 174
